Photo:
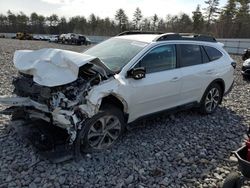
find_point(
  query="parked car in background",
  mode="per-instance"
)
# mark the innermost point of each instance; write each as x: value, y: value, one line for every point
x: 2, y: 35
x: 69, y: 38
x: 73, y: 38
x: 245, y: 70
x: 88, y: 41
x: 61, y: 38
x: 36, y: 37
x: 92, y: 96
x: 246, y: 54
x: 24, y: 36
x: 41, y: 37
x: 45, y: 37
x: 54, y: 38
x: 80, y: 40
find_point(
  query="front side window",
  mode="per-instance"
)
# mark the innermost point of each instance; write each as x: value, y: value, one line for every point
x: 190, y: 54
x: 213, y: 53
x: 159, y: 59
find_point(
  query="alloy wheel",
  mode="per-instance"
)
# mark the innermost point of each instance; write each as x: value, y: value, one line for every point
x: 212, y: 100
x: 104, y: 132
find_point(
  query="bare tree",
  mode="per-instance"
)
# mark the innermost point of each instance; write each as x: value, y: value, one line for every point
x: 211, y: 11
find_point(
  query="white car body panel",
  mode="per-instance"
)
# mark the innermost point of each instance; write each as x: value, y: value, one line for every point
x: 194, y: 78
x: 156, y: 92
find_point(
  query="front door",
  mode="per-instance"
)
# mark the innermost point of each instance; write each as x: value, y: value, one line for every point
x: 160, y: 89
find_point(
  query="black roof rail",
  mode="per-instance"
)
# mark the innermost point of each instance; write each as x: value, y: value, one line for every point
x: 135, y: 32
x: 185, y: 36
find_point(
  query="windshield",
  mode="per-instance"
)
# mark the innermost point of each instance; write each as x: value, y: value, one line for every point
x: 115, y: 52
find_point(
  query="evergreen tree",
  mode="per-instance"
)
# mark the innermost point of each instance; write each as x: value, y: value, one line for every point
x: 137, y: 18
x: 161, y: 26
x: 198, y: 20
x: 243, y: 19
x: 233, y: 22
x: 146, y: 25
x: 122, y: 19
x: 185, y: 24
x: 154, y: 22
x: 227, y: 19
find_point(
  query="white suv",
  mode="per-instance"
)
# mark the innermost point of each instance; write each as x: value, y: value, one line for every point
x: 94, y: 95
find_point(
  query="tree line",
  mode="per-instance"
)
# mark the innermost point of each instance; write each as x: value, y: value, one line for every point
x: 230, y: 21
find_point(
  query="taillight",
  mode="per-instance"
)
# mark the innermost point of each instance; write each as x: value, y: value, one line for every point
x: 233, y: 64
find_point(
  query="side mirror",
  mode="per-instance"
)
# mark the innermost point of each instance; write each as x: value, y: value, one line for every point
x: 137, y: 73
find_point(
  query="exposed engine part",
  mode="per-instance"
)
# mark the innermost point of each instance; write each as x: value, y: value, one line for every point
x: 24, y: 86
x: 62, y: 101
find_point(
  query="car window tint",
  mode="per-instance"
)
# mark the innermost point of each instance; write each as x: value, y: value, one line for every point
x: 159, y: 59
x: 190, y: 55
x: 204, y: 55
x: 213, y: 53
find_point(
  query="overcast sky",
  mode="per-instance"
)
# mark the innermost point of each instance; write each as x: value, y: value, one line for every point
x: 102, y: 8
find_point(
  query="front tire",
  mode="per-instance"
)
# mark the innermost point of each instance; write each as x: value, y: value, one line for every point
x: 211, y: 99
x: 102, y: 130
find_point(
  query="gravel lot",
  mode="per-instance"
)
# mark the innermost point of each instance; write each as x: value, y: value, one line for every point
x: 181, y: 150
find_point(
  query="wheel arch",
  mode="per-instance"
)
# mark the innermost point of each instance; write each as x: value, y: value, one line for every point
x: 117, y: 101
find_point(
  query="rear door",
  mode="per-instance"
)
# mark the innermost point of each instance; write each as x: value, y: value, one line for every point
x: 196, y: 71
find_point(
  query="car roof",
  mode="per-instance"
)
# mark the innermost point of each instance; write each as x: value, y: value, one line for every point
x: 147, y: 38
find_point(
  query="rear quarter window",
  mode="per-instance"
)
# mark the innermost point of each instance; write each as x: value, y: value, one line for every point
x: 213, y: 53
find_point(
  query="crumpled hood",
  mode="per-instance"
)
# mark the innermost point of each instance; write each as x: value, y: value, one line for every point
x: 51, y: 67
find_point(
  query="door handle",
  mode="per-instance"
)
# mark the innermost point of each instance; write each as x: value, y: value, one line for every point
x: 174, y: 79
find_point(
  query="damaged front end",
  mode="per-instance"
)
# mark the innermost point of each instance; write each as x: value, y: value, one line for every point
x: 40, y: 95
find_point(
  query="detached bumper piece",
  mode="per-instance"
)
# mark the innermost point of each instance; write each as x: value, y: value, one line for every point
x: 59, y: 155
x: 50, y: 141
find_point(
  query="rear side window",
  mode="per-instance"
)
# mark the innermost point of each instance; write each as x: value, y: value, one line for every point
x: 204, y: 56
x: 190, y: 55
x: 213, y: 53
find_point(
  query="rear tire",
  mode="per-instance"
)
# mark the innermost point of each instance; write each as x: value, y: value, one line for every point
x: 233, y: 180
x: 211, y: 99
